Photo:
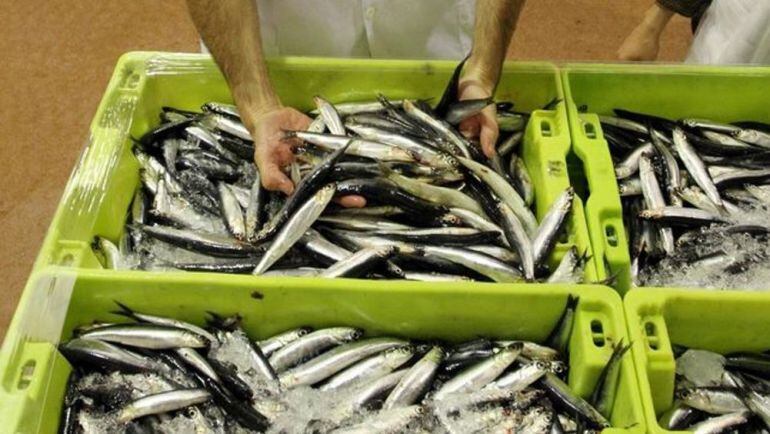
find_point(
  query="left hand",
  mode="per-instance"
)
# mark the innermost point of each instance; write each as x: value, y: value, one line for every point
x: 484, y: 124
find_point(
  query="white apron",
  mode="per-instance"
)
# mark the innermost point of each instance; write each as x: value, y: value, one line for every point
x: 733, y: 32
x: 402, y: 29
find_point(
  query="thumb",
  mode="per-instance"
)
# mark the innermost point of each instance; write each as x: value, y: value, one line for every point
x: 488, y: 136
x: 274, y: 179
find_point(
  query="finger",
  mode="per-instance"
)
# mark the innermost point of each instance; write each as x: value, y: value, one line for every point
x: 488, y: 136
x: 351, y: 201
x: 470, y: 127
x: 283, y: 155
x: 274, y: 179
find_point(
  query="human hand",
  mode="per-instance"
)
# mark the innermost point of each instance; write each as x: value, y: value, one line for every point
x: 483, y: 124
x: 273, y: 151
x: 642, y: 44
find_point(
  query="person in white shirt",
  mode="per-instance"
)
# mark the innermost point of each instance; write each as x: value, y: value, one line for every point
x: 240, y: 33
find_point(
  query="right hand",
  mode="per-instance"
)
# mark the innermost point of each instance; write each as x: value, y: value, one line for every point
x: 273, y: 151
x: 642, y: 44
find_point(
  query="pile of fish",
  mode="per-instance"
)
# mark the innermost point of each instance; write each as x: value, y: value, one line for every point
x: 695, y: 197
x: 159, y: 374
x: 716, y: 393
x: 437, y: 208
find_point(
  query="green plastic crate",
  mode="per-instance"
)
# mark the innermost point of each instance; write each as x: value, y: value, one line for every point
x: 721, y: 321
x: 720, y: 93
x: 33, y: 377
x: 100, y: 190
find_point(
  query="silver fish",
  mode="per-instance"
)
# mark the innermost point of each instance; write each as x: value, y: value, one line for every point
x: 653, y: 197
x: 696, y: 167
x: 101, y: 352
x: 253, y: 215
x: 681, y: 216
x: 309, y: 345
x: 480, y: 374
x: 510, y: 143
x: 479, y: 262
x: 552, y: 224
x: 357, y: 147
x: 330, y: 116
x: 371, y: 368
x: 757, y: 138
x: 295, y: 227
x: 359, y: 262
x: 449, y: 197
x: 162, y: 403
x: 148, y: 336
x: 441, y: 127
x: 517, y: 238
x: 232, y: 212
x: 630, y: 165
x: 720, y: 424
x: 178, y: 210
x: 333, y: 361
x: 505, y: 192
x: 416, y: 381
x: 276, y: 342
x: 521, y: 378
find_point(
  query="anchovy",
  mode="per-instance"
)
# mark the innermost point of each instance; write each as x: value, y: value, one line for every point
x: 474, y: 220
x: 623, y: 123
x: 231, y: 211
x: 274, y: 343
x: 360, y: 262
x: 309, y: 345
x: 358, y: 147
x: 754, y: 137
x: 696, y: 167
x: 194, y: 359
x: 422, y: 152
x: 295, y: 227
x: 439, y: 236
x: 100, y: 353
x: 521, y: 378
x: 384, y: 190
x: 254, y: 208
x: 558, y: 339
x: 363, y: 223
x: 604, y: 392
x: 416, y: 381
x: 448, y: 197
x: 561, y: 393
x: 304, y: 190
x: 505, y: 192
x: 323, y: 250
x: 211, y: 142
x: 517, y: 238
x: 228, y: 125
x: 673, y: 175
x: 335, y: 360
x: 222, y: 109
x: 681, y: 216
x: 741, y: 177
x: 162, y: 321
x: 570, y: 268
x: 653, y: 198
x: 355, y: 108
x: 163, y: 402
x: 720, y: 424
x: 371, y: 368
x: 329, y: 115
x: 712, y: 400
x: 552, y: 225
x: 630, y: 165
x: 376, y: 388
x: 180, y: 211
x: 481, y: 374
x: 212, y: 244
x: 461, y: 110
x: 113, y: 258
x: 452, y: 137
x: 522, y: 181
x: 705, y: 124
x: 434, y: 277
x: 479, y: 262
x: 510, y: 143
x: 147, y: 336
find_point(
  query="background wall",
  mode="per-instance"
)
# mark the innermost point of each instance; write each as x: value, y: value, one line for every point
x: 58, y: 56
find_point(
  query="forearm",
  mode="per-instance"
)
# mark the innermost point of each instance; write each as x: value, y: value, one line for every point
x: 230, y: 30
x: 495, y: 23
x: 657, y: 17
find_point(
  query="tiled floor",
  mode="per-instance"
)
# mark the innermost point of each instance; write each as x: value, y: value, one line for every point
x: 58, y: 56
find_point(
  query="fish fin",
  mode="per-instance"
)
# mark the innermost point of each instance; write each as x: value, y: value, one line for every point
x: 450, y: 92
x: 551, y: 105
x: 124, y: 310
